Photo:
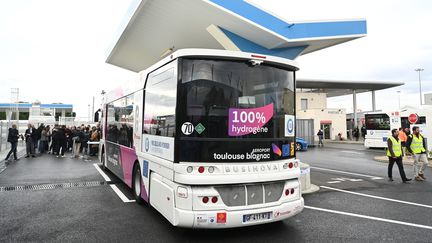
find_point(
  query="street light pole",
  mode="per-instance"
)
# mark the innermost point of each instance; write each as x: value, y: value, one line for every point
x: 399, y: 99
x: 419, y: 70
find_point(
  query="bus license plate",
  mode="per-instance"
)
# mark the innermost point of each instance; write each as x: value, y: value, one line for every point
x: 256, y: 217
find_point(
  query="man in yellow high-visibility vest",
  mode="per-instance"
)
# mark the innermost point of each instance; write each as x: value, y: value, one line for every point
x: 417, y: 146
x: 395, y: 153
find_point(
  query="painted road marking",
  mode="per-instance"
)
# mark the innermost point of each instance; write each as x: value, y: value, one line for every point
x: 114, y: 187
x: 341, y: 179
x: 348, y: 173
x: 350, y: 152
x: 102, y: 173
x: 120, y: 194
x: 377, y: 197
x: 370, y: 217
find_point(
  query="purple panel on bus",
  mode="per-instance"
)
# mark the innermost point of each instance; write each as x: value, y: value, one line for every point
x: 128, y: 157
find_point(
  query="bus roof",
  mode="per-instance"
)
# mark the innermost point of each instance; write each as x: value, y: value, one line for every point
x: 138, y: 82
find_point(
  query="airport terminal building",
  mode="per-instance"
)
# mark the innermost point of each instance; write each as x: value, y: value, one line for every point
x: 22, y: 111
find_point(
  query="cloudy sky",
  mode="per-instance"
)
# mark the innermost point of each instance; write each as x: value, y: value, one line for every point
x: 55, y: 50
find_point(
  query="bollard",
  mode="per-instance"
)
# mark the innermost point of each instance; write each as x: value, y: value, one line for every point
x: 305, y: 182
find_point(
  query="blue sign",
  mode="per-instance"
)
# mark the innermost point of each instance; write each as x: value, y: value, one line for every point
x: 285, y: 150
x: 145, y: 168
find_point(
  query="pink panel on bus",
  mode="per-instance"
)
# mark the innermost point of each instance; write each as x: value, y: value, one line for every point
x: 128, y: 158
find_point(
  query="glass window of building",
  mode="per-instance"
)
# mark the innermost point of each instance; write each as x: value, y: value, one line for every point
x: 304, y: 104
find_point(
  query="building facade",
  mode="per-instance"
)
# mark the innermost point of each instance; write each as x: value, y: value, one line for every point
x: 24, y: 111
x: 313, y: 106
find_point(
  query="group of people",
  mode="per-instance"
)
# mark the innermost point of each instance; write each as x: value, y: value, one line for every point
x: 55, y: 140
x: 403, y: 142
x: 357, y: 132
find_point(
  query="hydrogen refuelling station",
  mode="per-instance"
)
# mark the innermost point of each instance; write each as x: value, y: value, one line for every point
x: 153, y: 29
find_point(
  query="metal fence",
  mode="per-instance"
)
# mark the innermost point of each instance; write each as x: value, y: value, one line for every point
x: 74, y: 121
x: 305, y: 130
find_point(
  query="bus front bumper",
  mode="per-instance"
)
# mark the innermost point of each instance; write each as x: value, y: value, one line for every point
x: 239, y: 218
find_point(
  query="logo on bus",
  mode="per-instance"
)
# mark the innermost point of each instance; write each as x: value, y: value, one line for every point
x: 256, y: 154
x: 289, y: 126
x: 276, y: 149
x: 249, y: 121
x: 187, y: 128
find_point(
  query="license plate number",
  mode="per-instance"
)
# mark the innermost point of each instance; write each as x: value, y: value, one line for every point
x: 256, y: 217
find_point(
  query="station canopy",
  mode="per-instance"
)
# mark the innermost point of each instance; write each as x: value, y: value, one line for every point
x: 335, y: 88
x: 153, y: 28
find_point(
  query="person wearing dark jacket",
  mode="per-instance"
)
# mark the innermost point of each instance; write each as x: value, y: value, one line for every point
x: 61, y: 136
x: 320, y: 135
x: 416, y: 145
x: 39, y: 134
x: 85, y: 139
x: 30, y: 137
x: 13, y: 140
x: 54, y: 140
x: 395, y: 154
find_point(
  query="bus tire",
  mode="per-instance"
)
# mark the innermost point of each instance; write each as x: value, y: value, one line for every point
x: 137, y: 184
x: 103, y: 161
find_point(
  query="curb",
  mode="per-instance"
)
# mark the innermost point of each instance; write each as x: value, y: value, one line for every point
x: 405, y: 161
x: 313, y: 188
x: 345, y: 142
x: 305, y: 182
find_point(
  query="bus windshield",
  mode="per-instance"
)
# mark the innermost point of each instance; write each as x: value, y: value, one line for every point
x: 377, y: 122
x: 229, y: 109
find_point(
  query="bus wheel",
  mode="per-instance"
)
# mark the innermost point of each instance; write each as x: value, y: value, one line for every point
x: 103, y: 161
x: 137, y: 184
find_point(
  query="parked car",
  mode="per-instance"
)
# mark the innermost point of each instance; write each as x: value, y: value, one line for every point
x: 301, y: 144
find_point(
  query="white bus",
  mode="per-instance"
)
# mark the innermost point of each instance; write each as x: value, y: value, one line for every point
x: 378, y: 127
x: 207, y: 137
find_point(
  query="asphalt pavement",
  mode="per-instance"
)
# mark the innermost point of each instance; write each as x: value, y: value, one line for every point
x: 49, y: 199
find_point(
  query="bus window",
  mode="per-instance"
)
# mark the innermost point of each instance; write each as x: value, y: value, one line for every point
x: 160, y: 102
x: 120, y: 121
x: 210, y: 88
x: 377, y: 122
x: 407, y: 124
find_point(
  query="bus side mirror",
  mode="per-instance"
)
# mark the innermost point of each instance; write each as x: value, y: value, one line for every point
x: 96, y: 116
